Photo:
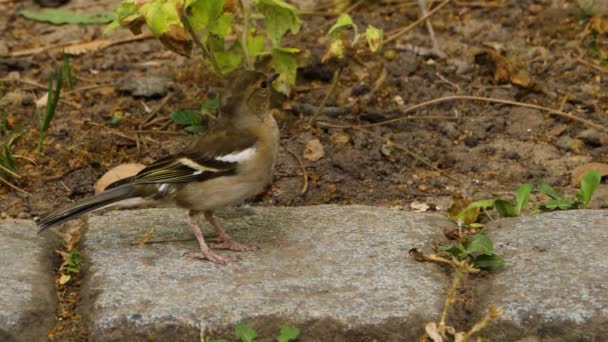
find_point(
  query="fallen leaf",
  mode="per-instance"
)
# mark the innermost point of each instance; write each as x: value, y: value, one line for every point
x: 419, y: 206
x: 81, y: 48
x: 579, y: 172
x: 314, y: 150
x: 433, y: 332
x: 41, y: 102
x: 116, y: 173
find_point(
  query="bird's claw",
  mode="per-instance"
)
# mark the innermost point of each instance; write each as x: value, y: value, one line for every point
x: 233, y: 246
x: 215, y: 258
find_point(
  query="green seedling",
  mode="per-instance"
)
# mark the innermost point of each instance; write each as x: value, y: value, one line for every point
x: 59, y: 17
x: 245, y: 333
x: 8, y: 168
x: 477, y: 249
x: 67, y: 70
x: 70, y: 266
x: 589, y: 184
x: 190, y: 119
x: 51, y: 104
x: 514, y: 208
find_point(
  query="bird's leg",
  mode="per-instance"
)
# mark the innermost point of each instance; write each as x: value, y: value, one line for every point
x: 226, y: 241
x: 205, y: 252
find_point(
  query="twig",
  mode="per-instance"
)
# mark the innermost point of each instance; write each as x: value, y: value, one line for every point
x: 334, y: 82
x: 90, y: 87
x: 143, y: 131
x: 491, y: 100
x: 304, y: 173
x: 163, y: 102
x: 184, y: 19
x: 24, y: 81
x: 13, y: 186
x: 9, y: 171
x: 591, y: 65
x: 408, y: 117
x: 408, y: 28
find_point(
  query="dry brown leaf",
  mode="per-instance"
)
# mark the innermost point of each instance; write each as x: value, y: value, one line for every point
x: 314, y: 150
x: 82, y: 48
x: 579, y: 172
x: 116, y: 173
x: 41, y: 102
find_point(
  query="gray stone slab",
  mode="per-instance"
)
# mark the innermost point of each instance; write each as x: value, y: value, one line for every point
x: 27, y: 293
x: 337, y: 272
x: 555, y: 285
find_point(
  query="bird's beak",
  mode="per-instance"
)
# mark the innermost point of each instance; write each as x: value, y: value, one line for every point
x: 272, y: 77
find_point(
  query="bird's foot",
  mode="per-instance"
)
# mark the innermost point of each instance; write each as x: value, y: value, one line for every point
x: 209, y: 255
x: 232, y: 245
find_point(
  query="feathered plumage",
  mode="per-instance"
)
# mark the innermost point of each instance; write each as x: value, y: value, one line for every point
x: 223, y: 167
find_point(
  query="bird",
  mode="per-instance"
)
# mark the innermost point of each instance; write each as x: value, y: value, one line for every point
x: 231, y: 162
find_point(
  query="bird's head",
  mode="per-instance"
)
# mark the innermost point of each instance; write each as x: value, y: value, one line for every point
x: 249, y: 94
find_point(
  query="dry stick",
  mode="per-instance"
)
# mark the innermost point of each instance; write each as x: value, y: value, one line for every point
x: 304, y: 173
x: 197, y: 41
x: 9, y: 171
x: 408, y: 117
x: 163, y: 102
x: 591, y: 65
x: 408, y: 28
x: 25, y: 81
x: 334, y: 82
x: 491, y: 100
x: 143, y: 131
x: 2, y: 180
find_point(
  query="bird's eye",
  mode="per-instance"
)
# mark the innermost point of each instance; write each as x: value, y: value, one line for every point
x: 263, y: 84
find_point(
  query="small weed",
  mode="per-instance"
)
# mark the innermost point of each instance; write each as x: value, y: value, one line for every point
x: 514, y: 208
x: 478, y: 250
x: 67, y: 70
x: 589, y: 184
x: 192, y: 119
x: 70, y: 265
x: 246, y: 333
x: 55, y: 80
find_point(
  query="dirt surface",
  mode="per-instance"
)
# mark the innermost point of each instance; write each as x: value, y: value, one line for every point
x: 545, y: 53
x: 483, y: 149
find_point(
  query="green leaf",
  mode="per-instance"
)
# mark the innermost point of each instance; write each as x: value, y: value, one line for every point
x: 279, y: 18
x: 186, y: 117
x: 521, y: 197
x: 229, y: 60
x: 210, y: 14
x: 492, y: 262
x: 212, y: 104
x: 374, y: 37
x: 58, y: 17
x: 561, y: 203
x: 288, y: 333
x: 255, y: 44
x: 504, y: 208
x: 194, y: 129
x: 284, y: 62
x: 486, y: 203
x: 344, y: 21
x: 124, y: 14
x: 457, y: 251
x: 244, y: 332
x: 589, y: 184
x: 160, y: 16
x: 546, y: 189
x: 479, y: 244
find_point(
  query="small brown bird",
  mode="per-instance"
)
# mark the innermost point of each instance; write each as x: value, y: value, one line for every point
x: 222, y: 168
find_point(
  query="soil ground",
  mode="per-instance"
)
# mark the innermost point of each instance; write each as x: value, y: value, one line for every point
x: 546, y: 53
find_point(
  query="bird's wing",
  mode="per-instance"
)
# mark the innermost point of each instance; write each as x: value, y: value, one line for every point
x: 213, y: 155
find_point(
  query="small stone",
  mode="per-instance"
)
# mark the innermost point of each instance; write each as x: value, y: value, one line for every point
x: 148, y: 87
x: 390, y: 54
x: 399, y: 100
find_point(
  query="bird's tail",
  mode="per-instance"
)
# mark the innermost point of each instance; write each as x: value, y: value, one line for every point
x: 86, y: 205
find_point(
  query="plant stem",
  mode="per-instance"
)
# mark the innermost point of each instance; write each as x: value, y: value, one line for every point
x: 184, y: 19
x: 334, y: 82
x: 245, y: 32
